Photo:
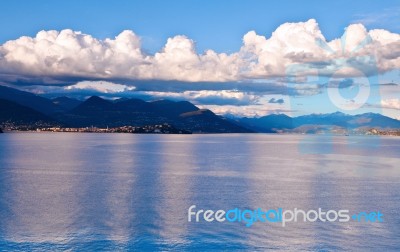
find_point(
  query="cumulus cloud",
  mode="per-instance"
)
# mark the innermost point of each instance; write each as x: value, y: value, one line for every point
x: 292, y: 49
x: 247, y: 82
x: 301, y: 49
x: 248, y: 111
x: 73, y: 54
x: 391, y: 103
x: 207, y: 97
x: 82, y: 90
x: 100, y: 86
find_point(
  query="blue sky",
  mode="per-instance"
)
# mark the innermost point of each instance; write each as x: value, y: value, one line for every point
x: 243, y: 72
x: 218, y: 25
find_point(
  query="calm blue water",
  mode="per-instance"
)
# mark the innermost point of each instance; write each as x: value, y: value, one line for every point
x: 118, y: 192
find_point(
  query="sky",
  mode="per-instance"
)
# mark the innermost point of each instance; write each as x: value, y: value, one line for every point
x: 246, y: 58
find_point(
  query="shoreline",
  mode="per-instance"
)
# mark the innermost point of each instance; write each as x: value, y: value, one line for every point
x: 197, y: 133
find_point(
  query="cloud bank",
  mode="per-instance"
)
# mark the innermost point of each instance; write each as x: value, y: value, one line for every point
x: 391, y: 103
x: 103, y: 87
x: 54, y: 55
x: 255, y: 80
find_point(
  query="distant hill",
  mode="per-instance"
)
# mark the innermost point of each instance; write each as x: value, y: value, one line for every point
x: 30, y: 100
x: 204, y: 120
x: 66, y: 103
x: 24, y: 108
x: 99, y: 112
x: 268, y: 124
x: 134, y: 112
x: 313, y: 122
x: 17, y: 115
x: 348, y: 121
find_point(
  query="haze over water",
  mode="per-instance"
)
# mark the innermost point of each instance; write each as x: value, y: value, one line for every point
x: 121, y: 192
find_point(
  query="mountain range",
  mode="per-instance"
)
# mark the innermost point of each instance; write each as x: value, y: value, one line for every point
x: 20, y: 108
x: 318, y: 122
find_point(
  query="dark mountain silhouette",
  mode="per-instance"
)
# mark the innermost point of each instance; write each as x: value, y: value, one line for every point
x: 23, y: 108
x: 66, y: 103
x: 29, y: 100
x: 11, y: 112
x: 99, y: 112
x: 133, y: 105
x: 204, y: 120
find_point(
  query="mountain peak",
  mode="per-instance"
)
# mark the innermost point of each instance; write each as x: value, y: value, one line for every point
x: 335, y: 114
x: 371, y: 114
x: 338, y: 113
x: 95, y: 98
x: 96, y: 101
x: 277, y: 116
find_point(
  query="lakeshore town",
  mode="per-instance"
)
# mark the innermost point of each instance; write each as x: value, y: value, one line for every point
x: 169, y: 129
x: 148, y: 129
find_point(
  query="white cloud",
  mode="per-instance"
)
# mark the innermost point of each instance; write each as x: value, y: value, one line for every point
x: 210, y: 96
x: 261, y: 108
x: 391, y: 103
x: 71, y: 53
x: 100, y: 86
x: 68, y: 53
x: 247, y: 111
x: 300, y: 48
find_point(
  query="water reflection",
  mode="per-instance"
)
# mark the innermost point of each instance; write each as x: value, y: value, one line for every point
x: 119, y: 192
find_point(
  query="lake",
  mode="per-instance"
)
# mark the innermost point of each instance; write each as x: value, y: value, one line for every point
x: 119, y: 192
